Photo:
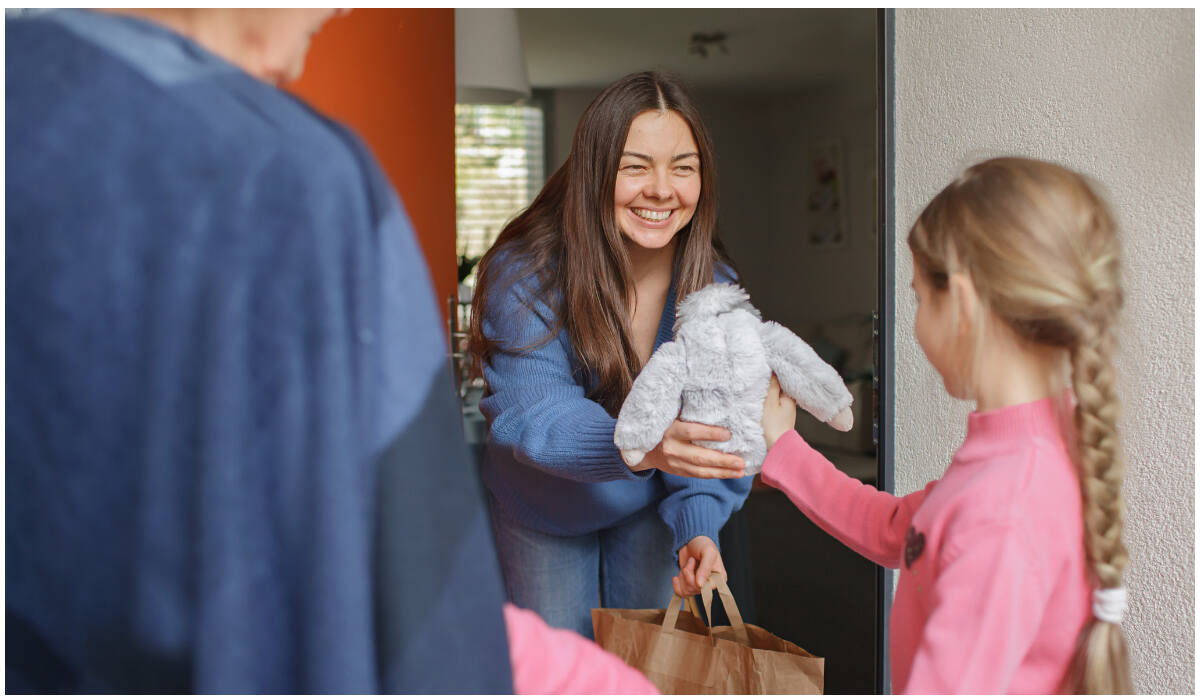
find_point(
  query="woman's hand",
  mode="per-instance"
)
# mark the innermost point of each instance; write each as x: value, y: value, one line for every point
x: 677, y: 455
x: 779, y: 413
x: 697, y: 559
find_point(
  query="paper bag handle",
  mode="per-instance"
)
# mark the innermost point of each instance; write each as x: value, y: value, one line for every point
x: 672, y: 615
x: 731, y: 608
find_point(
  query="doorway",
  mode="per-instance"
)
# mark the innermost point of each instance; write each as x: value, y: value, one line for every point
x: 794, y: 102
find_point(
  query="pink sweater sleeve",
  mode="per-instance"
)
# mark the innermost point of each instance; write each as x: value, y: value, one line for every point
x: 550, y: 661
x: 869, y: 521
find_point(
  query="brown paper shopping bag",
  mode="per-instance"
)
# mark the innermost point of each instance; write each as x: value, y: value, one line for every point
x: 682, y: 655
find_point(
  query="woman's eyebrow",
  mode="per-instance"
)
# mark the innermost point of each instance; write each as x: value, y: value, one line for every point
x: 643, y: 156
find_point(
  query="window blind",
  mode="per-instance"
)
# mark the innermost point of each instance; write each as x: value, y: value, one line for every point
x: 498, y: 169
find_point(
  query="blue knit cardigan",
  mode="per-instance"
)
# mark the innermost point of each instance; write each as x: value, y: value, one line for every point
x: 550, y: 461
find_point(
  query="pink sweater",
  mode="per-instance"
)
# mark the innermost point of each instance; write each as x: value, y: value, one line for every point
x: 551, y: 661
x: 992, y: 590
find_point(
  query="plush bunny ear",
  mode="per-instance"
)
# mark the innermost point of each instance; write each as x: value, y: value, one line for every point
x: 715, y: 299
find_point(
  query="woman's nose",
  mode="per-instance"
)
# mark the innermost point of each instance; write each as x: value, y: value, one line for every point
x: 659, y: 186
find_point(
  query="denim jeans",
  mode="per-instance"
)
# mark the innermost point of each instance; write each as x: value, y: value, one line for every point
x: 629, y: 565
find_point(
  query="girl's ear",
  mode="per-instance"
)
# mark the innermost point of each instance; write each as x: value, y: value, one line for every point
x: 966, y: 300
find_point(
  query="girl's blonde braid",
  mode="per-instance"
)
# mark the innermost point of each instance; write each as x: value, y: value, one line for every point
x: 1102, y: 660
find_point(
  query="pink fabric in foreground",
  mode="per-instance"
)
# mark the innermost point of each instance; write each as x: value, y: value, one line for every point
x: 551, y: 661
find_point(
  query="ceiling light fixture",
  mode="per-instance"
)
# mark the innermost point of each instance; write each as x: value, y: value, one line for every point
x: 489, y: 64
x: 701, y: 43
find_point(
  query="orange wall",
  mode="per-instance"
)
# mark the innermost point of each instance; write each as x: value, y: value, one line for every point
x: 389, y: 75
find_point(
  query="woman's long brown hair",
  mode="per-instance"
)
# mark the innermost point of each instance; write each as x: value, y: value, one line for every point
x: 568, y: 244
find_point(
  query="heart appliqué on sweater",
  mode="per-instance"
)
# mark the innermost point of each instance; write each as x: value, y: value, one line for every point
x: 914, y: 544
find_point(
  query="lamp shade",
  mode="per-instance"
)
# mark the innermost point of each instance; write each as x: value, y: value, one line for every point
x: 489, y: 65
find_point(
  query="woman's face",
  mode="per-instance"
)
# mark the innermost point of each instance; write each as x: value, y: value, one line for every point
x: 658, y: 179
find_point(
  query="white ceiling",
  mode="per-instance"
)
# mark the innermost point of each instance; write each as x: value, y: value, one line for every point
x: 769, y: 50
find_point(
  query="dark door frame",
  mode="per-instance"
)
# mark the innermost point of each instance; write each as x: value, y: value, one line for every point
x: 885, y: 314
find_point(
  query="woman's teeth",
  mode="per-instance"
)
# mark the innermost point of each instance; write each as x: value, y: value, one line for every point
x: 651, y: 215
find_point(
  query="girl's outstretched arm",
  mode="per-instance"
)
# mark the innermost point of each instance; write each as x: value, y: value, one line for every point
x: 869, y: 521
x: 865, y: 519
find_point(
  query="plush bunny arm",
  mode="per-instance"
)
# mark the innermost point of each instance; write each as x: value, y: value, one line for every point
x: 652, y: 404
x: 804, y: 376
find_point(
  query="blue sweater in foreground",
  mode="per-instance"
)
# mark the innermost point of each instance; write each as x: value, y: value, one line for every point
x: 235, y: 460
x: 550, y: 460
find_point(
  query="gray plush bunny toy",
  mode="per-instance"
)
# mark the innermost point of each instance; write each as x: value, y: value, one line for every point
x: 717, y: 372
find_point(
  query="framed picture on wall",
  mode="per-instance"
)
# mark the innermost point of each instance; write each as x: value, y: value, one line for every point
x: 826, y: 196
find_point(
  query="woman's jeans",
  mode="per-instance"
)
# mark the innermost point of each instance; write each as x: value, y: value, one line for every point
x: 629, y: 565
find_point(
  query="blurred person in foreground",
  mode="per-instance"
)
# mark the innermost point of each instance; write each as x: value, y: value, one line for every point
x: 234, y: 459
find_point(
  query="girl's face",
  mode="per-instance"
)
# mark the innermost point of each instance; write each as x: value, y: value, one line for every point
x: 658, y: 180
x: 941, y: 335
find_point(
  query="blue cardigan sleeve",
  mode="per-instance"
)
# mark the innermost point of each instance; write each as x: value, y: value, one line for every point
x: 537, y: 407
x: 695, y: 507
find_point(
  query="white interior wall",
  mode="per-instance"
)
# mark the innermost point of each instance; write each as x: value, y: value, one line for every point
x: 1109, y: 93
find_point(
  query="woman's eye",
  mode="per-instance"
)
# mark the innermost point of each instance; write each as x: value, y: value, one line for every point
x: 633, y: 168
x: 685, y: 169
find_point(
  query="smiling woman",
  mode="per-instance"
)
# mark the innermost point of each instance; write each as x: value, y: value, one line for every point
x: 576, y: 294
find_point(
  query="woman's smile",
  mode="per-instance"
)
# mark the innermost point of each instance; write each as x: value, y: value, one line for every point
x: 653, y: 216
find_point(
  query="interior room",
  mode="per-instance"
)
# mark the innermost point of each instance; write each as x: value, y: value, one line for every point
x: 789, y: 98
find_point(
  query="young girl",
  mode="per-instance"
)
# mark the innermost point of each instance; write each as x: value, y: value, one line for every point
x: 1011, y: 563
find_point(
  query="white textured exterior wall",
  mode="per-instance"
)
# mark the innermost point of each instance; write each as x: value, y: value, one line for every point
x: 1109, y: 93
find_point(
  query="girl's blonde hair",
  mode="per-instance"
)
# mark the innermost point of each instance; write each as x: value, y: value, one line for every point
x: 1041, y: 249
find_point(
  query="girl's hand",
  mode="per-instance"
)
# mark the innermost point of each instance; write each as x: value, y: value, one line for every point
x: 779, y: 413
x: 677, y: 455
x: 697, y: 559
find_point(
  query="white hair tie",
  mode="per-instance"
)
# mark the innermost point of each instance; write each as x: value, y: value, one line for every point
x: 1108, y: 604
